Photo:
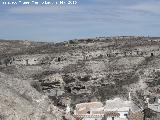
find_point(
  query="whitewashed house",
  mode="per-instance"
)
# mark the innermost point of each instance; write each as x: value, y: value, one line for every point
x: 116, y: 109
x: 154, y: 106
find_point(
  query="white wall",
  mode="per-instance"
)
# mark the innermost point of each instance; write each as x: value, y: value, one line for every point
x: 159, y: 100
x: 22, y: 62
x: 109, y: 118
x: 100, y: 118
x: 115, y: 118
x: 122, y: 114
x: 155, y: 107
x: 32, y: 61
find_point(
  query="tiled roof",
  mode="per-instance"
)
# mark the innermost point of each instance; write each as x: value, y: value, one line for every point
x: 111, y: 114
x: 89, y: 105
x: 89, y: 116
x: 136, y: 116
x: 85, y: 107
x: 98, y: 112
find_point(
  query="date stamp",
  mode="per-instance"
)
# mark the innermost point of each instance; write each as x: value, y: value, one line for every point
x: 69, y: 2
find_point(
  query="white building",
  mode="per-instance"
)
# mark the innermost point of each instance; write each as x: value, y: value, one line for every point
x: 116, y: 109
x: 154, y: 106
x: 122, y: 107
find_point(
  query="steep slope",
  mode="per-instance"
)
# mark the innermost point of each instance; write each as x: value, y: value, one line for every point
x: 18, y: 100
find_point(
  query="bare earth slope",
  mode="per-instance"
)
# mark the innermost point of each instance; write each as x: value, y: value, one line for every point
x: 18, y: 100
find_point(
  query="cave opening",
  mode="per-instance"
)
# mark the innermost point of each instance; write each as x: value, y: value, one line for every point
x: 59, y: 59
x: 152, y: 54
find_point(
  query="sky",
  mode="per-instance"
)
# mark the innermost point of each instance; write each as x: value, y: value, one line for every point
x: 85, y: 19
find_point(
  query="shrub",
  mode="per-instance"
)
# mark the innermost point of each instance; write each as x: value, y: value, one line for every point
x: 36, y: 85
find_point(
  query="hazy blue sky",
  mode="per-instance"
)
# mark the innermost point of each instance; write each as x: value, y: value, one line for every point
x: 89, y: 18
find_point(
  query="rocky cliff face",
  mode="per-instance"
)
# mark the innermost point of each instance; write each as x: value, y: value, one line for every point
x: 86, y: 70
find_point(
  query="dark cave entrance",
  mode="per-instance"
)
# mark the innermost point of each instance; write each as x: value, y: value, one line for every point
x: 27, y: 61
x: 59, y: 59
x: 152, y: 54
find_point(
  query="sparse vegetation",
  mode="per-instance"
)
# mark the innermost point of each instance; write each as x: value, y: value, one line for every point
x: 85, y: 68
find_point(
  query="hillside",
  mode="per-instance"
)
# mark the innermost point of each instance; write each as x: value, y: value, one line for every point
x: 18, y: 100
x: 82, y: 70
